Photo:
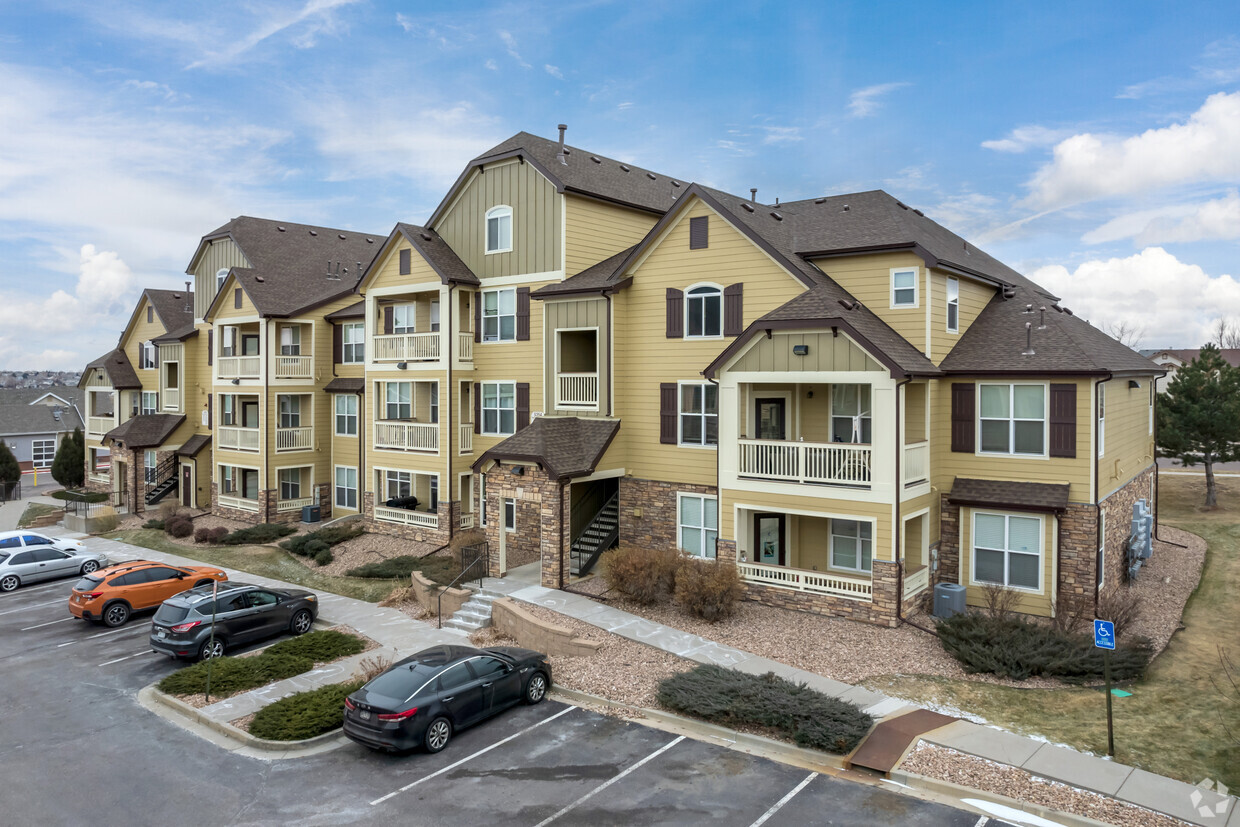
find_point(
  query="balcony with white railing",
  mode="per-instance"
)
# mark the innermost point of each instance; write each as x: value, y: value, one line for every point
x: 467, y: 521
x: 170, y: 399
x: 577, y: 391
x: 294, y: 367
x: 97, y: 426
x: 407, y: 436
x: 465, y: 347
x: 832, y: 463
x: 239, y: 367
x: 916, y: 580
x: 284, y: 506
x: 815, y: 582
x: 294, y: 439
x: 99, y: 476
x: 406, y: 347
x: 404, y: 516
x: 916, y: 462
x: 239, y: 503
x: 466, y: 440
x: 238, y: 439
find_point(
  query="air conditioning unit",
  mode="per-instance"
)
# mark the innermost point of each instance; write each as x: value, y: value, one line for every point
x: 949, y: 599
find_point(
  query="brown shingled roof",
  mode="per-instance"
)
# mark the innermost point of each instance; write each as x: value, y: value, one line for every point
x: 146, y: 430
x: 598, y: 278
x: 1022, y: 496
x: 119, y: 369
x: 564, y: 446
x: 357, y: 310
x: 344, y: 384
x: 175, y: 309
x: 442, y: 258
x: 194, y: 445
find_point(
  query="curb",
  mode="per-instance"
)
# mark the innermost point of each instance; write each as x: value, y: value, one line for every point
x: 956, y: 792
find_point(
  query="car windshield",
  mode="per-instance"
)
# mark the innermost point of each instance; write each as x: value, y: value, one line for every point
x: 171, y: 613
x: 401, y: 682
x: 87, y: 583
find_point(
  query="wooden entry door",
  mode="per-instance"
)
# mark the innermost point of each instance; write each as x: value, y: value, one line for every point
x: 769, y: 413
x: 187, y: 475
x: 770, y: 547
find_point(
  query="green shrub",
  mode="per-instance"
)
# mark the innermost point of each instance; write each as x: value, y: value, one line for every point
x: 395, y: 568
x: 81, y: 496
x: 178, y: 526
x: 732, y: 698
x: 324, y: 556
x: 1012, y: 647
x: 258, y: 534
x: 157, y: 524
x: 330, y: 536
x: 441, y: 568
x: 709, y: 590
x: 303, y: 715
x: 644, y: 575
x: 232, y: 675
x: 320, y: 647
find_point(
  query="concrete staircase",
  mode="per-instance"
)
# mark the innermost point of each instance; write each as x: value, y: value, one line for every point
x: 475, y: 613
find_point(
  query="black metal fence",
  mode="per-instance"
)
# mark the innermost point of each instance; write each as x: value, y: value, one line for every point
x: 10, y: 491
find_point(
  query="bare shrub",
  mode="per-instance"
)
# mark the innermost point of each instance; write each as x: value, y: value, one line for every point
x: 104, y: 520
x: 1121, y: 606
x: 471, y: 537
x: 168, y: 509
x: 1072, y: 611
x: 178, y: 526
x: 1000, y: 600
x: 709, y: 590
x: 644, y: 575
x: 398, y: 595
x: 202, y: 535
x: 372, y: 667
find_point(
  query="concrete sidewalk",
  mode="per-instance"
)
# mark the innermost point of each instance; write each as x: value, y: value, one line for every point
x: 1076, y: 769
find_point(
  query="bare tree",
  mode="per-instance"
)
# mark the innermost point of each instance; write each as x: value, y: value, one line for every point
x: 1226, y: 333
x: 1125, y: 332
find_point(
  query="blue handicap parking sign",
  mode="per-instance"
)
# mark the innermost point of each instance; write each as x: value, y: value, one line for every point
x: 1104, y: 634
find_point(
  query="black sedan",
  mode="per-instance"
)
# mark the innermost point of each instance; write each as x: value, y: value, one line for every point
x: 235, y: 612
x: 425, y: 698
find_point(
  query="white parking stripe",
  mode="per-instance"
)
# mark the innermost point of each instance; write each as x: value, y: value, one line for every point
x: 103, y: 634
x: 49, y: 623
x: 118, y: 660
x: 471, y: 757
x: 775, y: 808
x: 32, y: 606
x: 611, y: 781
x: 42, y: 588
x: 982, y: 822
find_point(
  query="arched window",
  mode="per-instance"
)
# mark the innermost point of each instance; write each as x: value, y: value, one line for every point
x: 499, y: 229
x: 704, y: 311
x: 220, y: 275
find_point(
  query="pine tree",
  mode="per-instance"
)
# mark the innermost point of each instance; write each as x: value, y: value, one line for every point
x: 69, y: 466
x: 10, y: 471
x: 1199, y: 415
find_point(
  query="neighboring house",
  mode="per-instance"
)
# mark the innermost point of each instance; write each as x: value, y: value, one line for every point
x: 34, y: 420
x: 1174, y: 359
x: 839, y: 396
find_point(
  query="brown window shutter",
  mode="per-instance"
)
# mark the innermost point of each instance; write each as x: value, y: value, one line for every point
x: 477, y: 408
x: 1063, y: 421
x: 675, y: 313
x: 667, y: 413
x: 964, y: 409
x: 237, y: 298
x: 405, y: 262
x: 387, y: 319
x: 699, y: 229
x: 477, y: 300
x: 210, y: 411
x: 337, y: 343
x: 734, y: 309
x: 523, y: 314
x: 523, y: 404
x: 210, y: 347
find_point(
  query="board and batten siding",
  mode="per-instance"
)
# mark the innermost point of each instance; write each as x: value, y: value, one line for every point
x: 536, y: 219
x: 868, y: 279
x: 569, y: 315
x: 1129, y: 444
x: 596, y: 231
x: 219, y: 255
x: 645, y: 357
x: 826, y: 353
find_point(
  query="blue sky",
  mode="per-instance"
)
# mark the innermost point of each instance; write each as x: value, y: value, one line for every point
x: 1095, y: 147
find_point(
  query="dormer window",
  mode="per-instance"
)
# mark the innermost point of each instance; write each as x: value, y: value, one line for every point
x: 499, y: 230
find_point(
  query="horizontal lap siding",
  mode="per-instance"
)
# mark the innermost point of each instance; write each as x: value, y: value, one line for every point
x: 1129, y: 444
x: 973, y: 298
x: 407, y: 460
x: 596, y: 231
x: 644, y: 357
x: 227, y: 308
x: 868, y: 279
x: 219, y: 255
x: 815, y: 505
x: 1029, y: 603
x: 387, y: 271
x: 143, y: 331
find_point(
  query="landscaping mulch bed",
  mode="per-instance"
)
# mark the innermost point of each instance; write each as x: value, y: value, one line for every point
x: 1165, y: 583
x: 957, y: 767
x: 368, y: 548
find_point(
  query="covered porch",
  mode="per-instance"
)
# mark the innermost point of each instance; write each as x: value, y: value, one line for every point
x: 830, y: 556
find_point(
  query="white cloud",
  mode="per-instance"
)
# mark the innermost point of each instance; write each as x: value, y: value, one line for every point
x: 782, y: 134
x: 161, y: 89
x: 510, y: 43
x: 1219, y: 64
x: 554, y: 71
x: 865, y: 102
x: 304, y: 26
x: 1218, y: 219
x: 1026, y: 137
x: 1174, y: 301
x: 1089, y: 166
x: 492, y: 65
x: 447, y: 35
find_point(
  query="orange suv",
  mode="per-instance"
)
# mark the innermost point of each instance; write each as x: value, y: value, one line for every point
x: 111, y: 595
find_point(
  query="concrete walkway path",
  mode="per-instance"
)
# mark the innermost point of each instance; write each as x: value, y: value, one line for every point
x: 1077, y: 769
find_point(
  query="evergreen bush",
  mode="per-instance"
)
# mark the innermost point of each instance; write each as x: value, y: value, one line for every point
x: 10, y: 471
x: 393, y: 568
x: 230, y: 675
x: 69, y: 465
x: 320, y: 647
x: 156, y: 524
x: 258, y: 534
x: 305, y: 714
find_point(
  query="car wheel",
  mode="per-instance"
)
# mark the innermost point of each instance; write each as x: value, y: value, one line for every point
x: 536, y: 688
x: 301, y: 623
x: 438, y: 734
x: 211, y: 648
x: 89, y: 566
x: 9, y: 582
x: 116, y: 614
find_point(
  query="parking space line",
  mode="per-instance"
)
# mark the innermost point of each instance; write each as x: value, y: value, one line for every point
x: 127, y: 657
x: 32, y: 606
x: 102, y: 634
x: 611, y: 781
x: 42, y: 588
x: 775, y: 808
x: 49, y: 623
x: 410, y: 786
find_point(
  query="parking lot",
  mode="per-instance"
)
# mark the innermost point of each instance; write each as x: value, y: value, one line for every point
x: 76, y: 746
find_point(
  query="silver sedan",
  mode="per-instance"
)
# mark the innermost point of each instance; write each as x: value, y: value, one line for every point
x: 28, y: 557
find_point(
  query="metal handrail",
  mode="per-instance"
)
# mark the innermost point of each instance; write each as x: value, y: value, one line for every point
x: 457, y: 579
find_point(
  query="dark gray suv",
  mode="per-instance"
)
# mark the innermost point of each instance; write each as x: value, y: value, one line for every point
x: 242, y: 613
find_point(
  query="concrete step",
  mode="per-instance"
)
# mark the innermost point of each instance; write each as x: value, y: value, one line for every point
x: 473, y: 613
x: 457, y: 622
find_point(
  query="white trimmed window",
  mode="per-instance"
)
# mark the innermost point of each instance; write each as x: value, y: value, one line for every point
x: 434, y: 412
x: 290, y: 410
x: 346, y: 415
x: 499, y: 230
x: 1102, y: 419
x: 850, y: 414
x: 904, y: 288
x: 290, y: 340
x: 698, y: 524
x: 499, y: 408
x: 953, y: 306
x: 353, y: 337
x: 228, y: 409
x: 220, y: 275
x: 499, y: 315
x: 1007, y: 550
x: 852, y: 545
x: 397, y: 484
x: 434, y: 487
x: 290, y: 483
x: 346, y: 487
x: 435, y: 316
x: 148, y: 466
x: 42, y: 452
x: 398, y: 401
x: 228, y: 479
x: 1013, y: 420
x: 510, y: 514
x: 704, y: 312
x: 404, y: 318
x: 146, y: 356
x: 150, y: 402
x: 699, y: 413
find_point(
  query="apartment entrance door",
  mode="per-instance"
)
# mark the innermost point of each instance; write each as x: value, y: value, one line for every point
x: 768, y: 537
x: 769, y: 413
x: 187, y: 473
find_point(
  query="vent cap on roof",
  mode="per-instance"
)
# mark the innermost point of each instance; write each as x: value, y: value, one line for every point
x: 748, y: 207
x: 626, y: 168
x: 313, y: 232
x: 279, y: 229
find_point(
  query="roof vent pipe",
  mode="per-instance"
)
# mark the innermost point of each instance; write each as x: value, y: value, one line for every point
x: 562, y: 157
x: 189, y: 306
x: 1028, y: 351
x: 1042, y: 318
x: 753, y: 194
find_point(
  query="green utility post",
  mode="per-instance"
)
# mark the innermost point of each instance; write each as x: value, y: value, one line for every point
x: 1104, y: 639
